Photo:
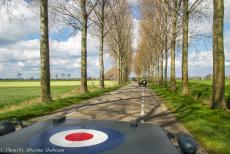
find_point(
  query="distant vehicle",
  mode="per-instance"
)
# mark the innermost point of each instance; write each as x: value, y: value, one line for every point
x: 72, y: 136
x: 134, y: 79
x: 142, y: 83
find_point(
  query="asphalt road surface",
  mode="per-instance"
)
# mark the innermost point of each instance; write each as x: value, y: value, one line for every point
x: 127, y: 103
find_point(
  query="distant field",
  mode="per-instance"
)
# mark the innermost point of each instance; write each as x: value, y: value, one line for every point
x: 53, y: 83
x: 13, y: 93
x: 208, y: 82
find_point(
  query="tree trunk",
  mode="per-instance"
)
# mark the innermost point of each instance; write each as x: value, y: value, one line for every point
x: 166, y: 61
x: 185, y: 50
x: 166, y: 53
x: 121, y: 70
x: 44, y: 51
x: 148, y: 74
x: 118, y: 70
x: 125, y: 73
x: 156, y: 74
x: 161, y: 69
x: 166, y: 69
x: 218, y: 56
x: 125, y: 68
x: 101, y: 59
x: 158, y: 69
x: 152, y: 73
x: 101, y: 50
x: 173, y: 52
x: 84, y: 88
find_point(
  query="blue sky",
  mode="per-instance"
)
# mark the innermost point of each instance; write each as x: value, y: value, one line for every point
x: 19, y: 47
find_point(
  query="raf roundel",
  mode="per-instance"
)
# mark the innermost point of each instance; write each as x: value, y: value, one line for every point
x: 75, y: 140
x: 78, y: 138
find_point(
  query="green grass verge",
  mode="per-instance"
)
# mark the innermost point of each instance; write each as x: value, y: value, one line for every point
x: 209, y: 127
x: 40, y: 109
x: 202, y: 90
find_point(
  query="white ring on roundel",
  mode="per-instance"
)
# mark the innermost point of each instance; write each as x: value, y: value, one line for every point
x: 59, y: 138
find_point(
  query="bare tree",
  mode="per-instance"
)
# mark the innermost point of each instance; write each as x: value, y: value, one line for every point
x: 101, y: 12
x: 187, y: 11
x: 63, y: 75
x: 8, y: 6
x: 19, y: 75
x: 119, y: 37
x: 69, y: 75
x: 166, y: 31
x: 176, y: 5
x: 56, y: 75
x: 76, y: 14
x: 44, y: 52
x: 185, y: 47
x: 218, y: 56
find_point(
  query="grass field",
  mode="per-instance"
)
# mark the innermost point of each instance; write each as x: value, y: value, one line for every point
x: 208, y: 82
x: 209, y: 127
x: 18, y: 95
x: 202, y: 90
x: 24, y: 83
x: 15, y: 92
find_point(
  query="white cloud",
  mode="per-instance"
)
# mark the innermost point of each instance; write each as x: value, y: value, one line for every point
x: 65, y: 56
x: 200, y: 63
x: 24, y: 22
x: 227, y: 40
x: 227, y: 10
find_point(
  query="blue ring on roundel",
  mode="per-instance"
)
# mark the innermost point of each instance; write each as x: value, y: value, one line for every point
x: 115, y: 139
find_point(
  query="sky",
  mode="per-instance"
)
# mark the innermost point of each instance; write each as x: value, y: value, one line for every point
x: 19, y: 47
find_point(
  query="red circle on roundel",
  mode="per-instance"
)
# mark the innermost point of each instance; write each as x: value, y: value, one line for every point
x: 78, y: 136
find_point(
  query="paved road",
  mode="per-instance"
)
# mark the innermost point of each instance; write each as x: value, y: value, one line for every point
x: 127, y: 103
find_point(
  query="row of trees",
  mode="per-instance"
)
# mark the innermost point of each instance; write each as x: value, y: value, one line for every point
x: 165, y: 26
x: 109, y: 20
x: 120, y: 37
